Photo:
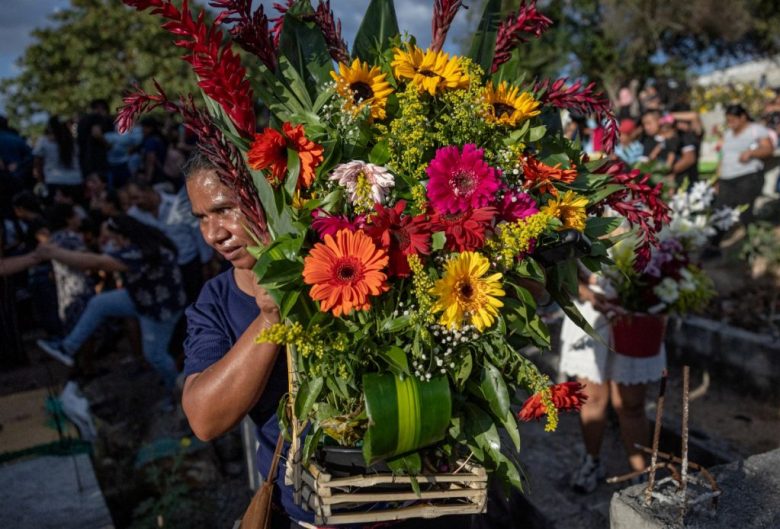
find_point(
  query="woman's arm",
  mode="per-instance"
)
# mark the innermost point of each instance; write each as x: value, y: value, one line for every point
x: 83, y: 260
x: 18, y: 263
x: 218, y: 398
x: 763, y: 151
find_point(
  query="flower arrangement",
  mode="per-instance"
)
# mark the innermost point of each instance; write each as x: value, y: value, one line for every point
x: 671, y: 281
x: 403, y: 199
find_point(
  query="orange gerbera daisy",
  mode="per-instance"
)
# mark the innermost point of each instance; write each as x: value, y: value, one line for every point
x: 541, y: 176
x: 269, y: 151
x: 344, y: 271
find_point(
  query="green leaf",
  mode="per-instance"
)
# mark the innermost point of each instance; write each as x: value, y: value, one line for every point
x: 409, y: 464
x: 378, y: 27
x: 480, y: 431
x: 380, y: 153
x: 395, y: 324
x: 288, y: 302
x: 510, y: 425
x: 464, y: 370
x: 438, y: 240
x: 596, y: 227
x: 311, y: 443
x: 404, y: 414
x: 307, y: 395
x: 281, y: 272
x: 493, y: 389
x: 295, y: 82
x: 603, y: 193
x: 283, y: 418
x: 537, y: 133
x: 302, y: 43
x: 396, y: 360
x: 293, y: 171
x: 483, y: 45
x: 531, y: 269
x: 274, y: 94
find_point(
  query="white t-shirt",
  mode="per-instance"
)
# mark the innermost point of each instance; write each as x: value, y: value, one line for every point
x: 54, y: 172
x: 734, y: 145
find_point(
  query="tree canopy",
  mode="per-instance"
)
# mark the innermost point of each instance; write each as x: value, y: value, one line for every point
x: 614, y: 41
x: 93, y: 49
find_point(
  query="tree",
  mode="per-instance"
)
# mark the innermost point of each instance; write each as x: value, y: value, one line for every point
x: 614, y: 41
x: 94, y: 49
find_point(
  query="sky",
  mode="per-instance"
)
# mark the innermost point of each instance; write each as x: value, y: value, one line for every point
x: 20, y: 17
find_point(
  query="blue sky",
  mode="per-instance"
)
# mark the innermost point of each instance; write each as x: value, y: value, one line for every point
x: 20, y: 17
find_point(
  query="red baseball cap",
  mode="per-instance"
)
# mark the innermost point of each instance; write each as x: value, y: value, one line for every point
x: 627, y: 126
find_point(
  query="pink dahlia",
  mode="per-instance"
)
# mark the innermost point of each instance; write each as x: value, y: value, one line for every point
x: 516, y: 205
x: 326, y: 224
x: 460, y: 181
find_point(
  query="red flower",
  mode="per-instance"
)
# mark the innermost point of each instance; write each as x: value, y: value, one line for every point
x: 568, y: 396
x: 269, y: 151
x: 401, y: 235
x: 513, y: 31
x: 465, y: 231
x: 326, y: 224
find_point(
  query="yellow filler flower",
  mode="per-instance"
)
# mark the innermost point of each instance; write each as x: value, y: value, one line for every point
x: 508, y: 107
x: 361, y: 85
x: 569, y: 209
x: 429, y: 71
x: 465, y: 296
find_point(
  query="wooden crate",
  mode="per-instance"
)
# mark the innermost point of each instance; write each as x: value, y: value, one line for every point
x: 387, y: 497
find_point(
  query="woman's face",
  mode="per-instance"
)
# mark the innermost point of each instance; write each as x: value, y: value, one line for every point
x: 221, y: 221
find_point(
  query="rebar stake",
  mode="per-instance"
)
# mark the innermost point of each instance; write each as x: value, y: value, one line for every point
x: 659, y: 414
x: 684, y: 469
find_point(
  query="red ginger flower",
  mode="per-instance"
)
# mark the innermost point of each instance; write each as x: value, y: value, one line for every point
x: 249, y: 30
x: 540, y: 176
x: 269, y: 151
x: 641, y: 205
x: 219, y: 69
x: 568, y: 396
x: 582, y: 100
x: 465, y: 232
x: 331, y: 31
x: 512, y: 31
x: 400, y: 235
x: 443, y: 13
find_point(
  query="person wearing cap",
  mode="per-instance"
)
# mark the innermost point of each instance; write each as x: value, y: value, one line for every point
x: 629, y: 149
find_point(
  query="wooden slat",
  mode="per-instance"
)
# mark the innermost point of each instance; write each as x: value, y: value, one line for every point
x: 362, y: 497
x: 417, y: 511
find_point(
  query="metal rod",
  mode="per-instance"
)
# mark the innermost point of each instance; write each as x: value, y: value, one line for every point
x: 684, y: 469
x: 659, y: 414
x: 691, y: 464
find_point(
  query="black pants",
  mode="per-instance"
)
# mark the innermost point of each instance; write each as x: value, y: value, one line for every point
x: 741, y: 190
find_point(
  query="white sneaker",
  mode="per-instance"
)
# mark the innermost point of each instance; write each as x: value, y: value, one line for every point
x: 76, y: 408
x: 54, y: 349
x: 588, y: 476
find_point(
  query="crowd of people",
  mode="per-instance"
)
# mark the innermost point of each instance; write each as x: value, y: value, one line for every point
x: 97, y: 228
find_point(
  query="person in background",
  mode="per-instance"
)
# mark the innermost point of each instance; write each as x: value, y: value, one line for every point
x: 152, y: 293
x: 172, y: 215
x: 629, y: 149
x: 74, y: 287
x: 741, y: 170
x: 90, y: 137
x: 121, y: 145
x: 651, y: 125
x: 607, y: 377
x: 56, y: 162
x: 15, y: 155
x: 153, y: 150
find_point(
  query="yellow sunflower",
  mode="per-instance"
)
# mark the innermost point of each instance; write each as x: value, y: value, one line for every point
x: 507, y: 107
x: 429, y: 71
x: 465, y: 296
x: 361, y: 85
x: 569, y: 209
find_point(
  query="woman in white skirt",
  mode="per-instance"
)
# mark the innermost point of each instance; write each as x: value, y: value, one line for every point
x: 607, y: 377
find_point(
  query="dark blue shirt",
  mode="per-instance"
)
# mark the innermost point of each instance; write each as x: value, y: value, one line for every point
x: 214, y: 323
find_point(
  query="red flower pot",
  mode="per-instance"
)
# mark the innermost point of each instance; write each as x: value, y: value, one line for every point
x: 638, y: 335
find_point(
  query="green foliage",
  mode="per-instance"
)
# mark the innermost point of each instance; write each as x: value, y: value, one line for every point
x: 761, y: 243
x: 378, y: 27
x: 92, y: 49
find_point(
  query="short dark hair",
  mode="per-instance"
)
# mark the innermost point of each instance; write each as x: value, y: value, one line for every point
x: 197, y: 163
x: 737, y: 110
x: 652, y: 112
x: 59, y: 215
x: 26, y: 200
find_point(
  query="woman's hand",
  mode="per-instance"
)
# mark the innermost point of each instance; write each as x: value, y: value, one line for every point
x: 745, y: 156
x: 268, y: 308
